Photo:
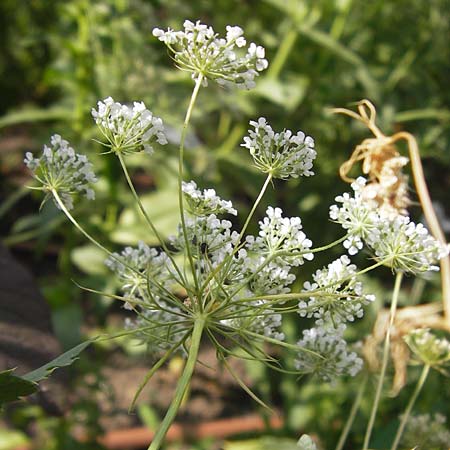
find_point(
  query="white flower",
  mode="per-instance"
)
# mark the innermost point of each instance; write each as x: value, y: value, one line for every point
x: 199, y: 50
x: 210, y: 239
x: 206, y: 202
x: 356, y: 215
x: 283, y: 155
x: 331, y: 358
x: 340, y: 297
x: 138, y: 268
x: 256, y: 317
x: 395, y: 239
x: 426, y: 432
x: 282, y: 235
x: 407, y: 246
x: 59, y: 168
x: 267, y: 278
x: 428, y: 348
x: 128, y: 129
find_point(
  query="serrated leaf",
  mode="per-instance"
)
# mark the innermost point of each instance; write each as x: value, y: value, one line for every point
x: 13, y: 387
x: 66, y: 359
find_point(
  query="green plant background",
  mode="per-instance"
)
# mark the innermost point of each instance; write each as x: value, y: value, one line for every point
x: 57, y: 58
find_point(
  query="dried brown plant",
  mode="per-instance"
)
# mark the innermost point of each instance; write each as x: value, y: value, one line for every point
x: 387, y: 184
x: 406, y: 319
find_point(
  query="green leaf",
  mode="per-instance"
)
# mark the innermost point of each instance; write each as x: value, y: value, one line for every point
x: 266, y: 443
x: 287, y: 93
x: 12, y: 439
x: 90, y: 259
x: 13, y: 387
x: 66, y: 359
x: 35, y: 115
x: 162, y: 208
x: 306, y: 443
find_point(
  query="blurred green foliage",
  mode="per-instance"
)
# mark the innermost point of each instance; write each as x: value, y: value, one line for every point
x: 57, y: 58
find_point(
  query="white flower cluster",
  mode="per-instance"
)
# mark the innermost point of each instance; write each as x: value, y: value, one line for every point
x: 340, y: 295
x: 284, y: 154
x: 357, y: 215
x: 429, y: 348
x: 128, y: 129
x: 59, y: 168
x: 282, y: 235
x: 146, y: 277
x: 261, y: 319
x: 206, y: 202
x: 263, y: 267
x: 266, y: 278
x: 138, y: 268
x: 404, y: 245
x: 425, y: 431
x: 199, y: 50
x: 267, y: 259
x: 328, y: 357
x: 210, y: 239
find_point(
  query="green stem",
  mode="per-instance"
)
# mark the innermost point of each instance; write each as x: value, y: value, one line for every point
x: 283, y: 52
x: 154, y: 369
x: 398, y: 282
x: 352, y: 415
x: 241, y: 235
x: 327, y: 246
x: 77, y: 226
x: 252, y: 211
x: 297, y: 295
x: 412, y: 401
x: 182, y: 385
x: 198, y: 84
x: 146, y: 216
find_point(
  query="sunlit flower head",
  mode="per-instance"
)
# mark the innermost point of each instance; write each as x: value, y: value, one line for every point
x: 283, y: 155
x: 356, y: 215
x: 428, y: 347
x: 128, y: 129
x: 198, y: 49
x: 206, y: 201
x: 340, y: 296
x: 281, y: 235
x: 407, y: 246
x: 62, y: 170
x: 394, y: 239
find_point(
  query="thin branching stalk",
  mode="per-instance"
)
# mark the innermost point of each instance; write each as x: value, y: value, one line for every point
x: 146, y: 216
x: 255, y: 205
x: 387, y: 341
x: 409, y: 407
x: 352, y: 415
x: 182, y: 384
x: 78, y: 226
x: 198, y: 84
x: 227, y: 261
x: 86, y: 234
x: 154, y: 369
